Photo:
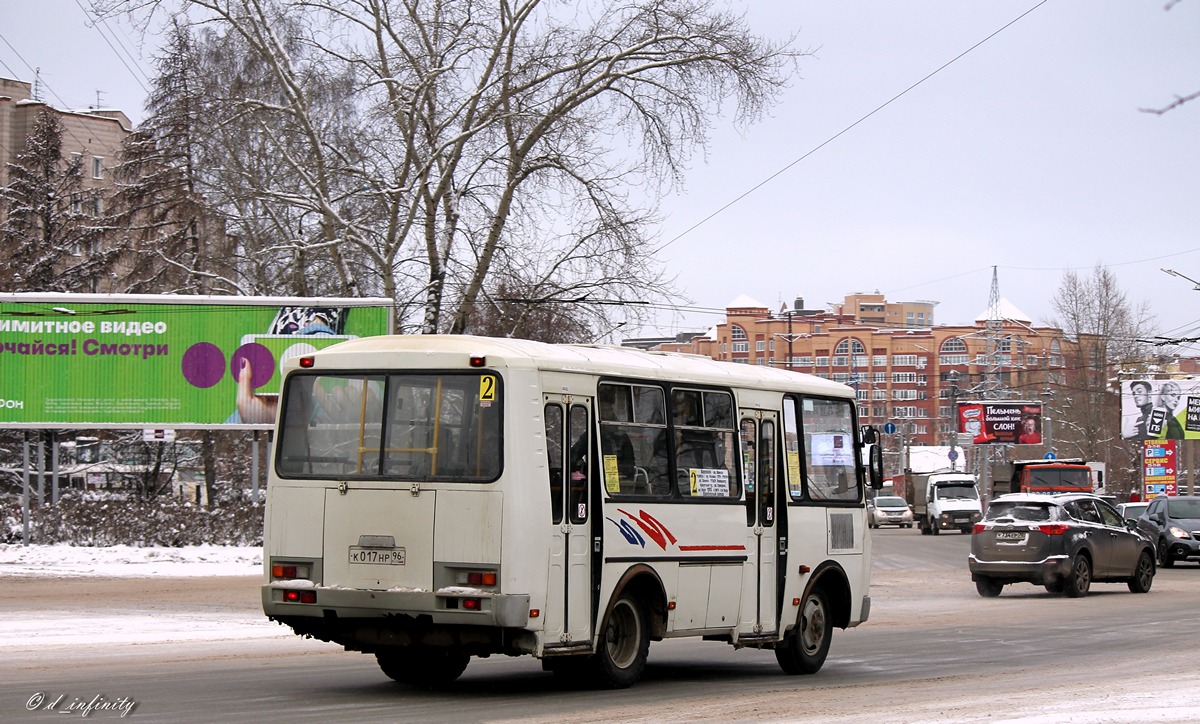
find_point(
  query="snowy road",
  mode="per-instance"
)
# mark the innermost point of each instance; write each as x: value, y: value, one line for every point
x: 181, y: 632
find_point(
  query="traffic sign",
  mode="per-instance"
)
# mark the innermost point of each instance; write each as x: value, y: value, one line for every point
x: 889, y: 428
x: 953, y: 455
x: 1049, y: 456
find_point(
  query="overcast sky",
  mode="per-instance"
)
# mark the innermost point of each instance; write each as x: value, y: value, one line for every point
x: 1028, y: 153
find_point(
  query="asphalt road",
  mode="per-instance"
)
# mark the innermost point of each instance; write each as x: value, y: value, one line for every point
x: 933, y: 651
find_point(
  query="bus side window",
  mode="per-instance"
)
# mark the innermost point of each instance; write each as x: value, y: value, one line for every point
x: 577, y: 479
x: 554, y: 459
x: 633, y: 442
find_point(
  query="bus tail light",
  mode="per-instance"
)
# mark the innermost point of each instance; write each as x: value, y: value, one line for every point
x: 472, y: 604
x: 478, y: 360
x: 289, y: 572
x: 477, y: 578
x: 307, y: 362
x: 300, y: 596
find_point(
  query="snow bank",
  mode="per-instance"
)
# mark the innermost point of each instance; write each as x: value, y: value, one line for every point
x: 130, y: 562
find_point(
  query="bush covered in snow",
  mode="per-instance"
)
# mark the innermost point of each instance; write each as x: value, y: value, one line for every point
x: 107, y: 519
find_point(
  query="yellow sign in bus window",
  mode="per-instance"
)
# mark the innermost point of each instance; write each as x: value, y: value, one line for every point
x: 487, y: 388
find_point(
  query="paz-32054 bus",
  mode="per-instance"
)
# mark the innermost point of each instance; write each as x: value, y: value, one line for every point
x: 433, y: 498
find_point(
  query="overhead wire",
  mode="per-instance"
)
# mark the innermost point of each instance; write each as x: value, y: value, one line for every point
x: 847, y: 129
x: 94, y: 19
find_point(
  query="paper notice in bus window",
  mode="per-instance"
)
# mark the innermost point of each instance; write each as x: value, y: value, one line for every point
x: 793, y: 465
x: 612, y: 478
x: 709, y: 482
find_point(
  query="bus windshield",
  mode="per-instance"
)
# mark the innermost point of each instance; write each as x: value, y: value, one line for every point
x: 396, y: 426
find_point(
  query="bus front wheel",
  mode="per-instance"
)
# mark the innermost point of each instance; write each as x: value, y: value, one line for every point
x: 804, y: 649
x: 624, y: 645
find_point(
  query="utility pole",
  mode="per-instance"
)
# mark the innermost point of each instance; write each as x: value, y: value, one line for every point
x: 993, y: 386
x: 790, y: 338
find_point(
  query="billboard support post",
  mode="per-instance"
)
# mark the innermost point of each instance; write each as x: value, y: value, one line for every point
x: 25, y: 491
x: 41, y: 468
x: 54, y: 467
x: 254, y: 468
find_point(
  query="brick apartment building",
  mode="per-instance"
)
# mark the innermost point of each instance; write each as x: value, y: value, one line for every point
x: 905, y: 369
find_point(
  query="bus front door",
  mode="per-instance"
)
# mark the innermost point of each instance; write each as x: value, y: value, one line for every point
x: 760, y: 594
x: 568, y: 614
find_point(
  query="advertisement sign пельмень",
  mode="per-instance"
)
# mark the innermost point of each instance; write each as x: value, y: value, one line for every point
x: 1001, y: 423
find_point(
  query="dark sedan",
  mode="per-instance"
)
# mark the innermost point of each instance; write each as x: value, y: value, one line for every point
x: 1062, y: 542
x: 1173, y: 523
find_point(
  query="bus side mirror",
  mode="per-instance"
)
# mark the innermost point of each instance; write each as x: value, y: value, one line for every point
x: 874, y: 455
x: 870, y: 436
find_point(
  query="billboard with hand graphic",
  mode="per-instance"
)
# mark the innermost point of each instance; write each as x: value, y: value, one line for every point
x: 150, y: 361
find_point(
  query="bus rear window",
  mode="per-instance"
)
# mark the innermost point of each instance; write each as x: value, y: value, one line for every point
x: 399, y: 426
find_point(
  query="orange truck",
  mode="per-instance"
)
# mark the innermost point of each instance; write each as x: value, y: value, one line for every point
x: 1070, y: 475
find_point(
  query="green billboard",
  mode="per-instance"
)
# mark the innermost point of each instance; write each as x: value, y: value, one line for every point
x: 93, y: 361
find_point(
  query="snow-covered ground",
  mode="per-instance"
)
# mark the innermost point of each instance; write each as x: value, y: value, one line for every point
x: 35, y: 626
x: 129, y: 562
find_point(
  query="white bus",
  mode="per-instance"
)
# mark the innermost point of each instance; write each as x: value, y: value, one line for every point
x: 434, y: 498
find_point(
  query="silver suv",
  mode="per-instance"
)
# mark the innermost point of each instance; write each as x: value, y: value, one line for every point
x: 1062, y: 542
x: 1174, y: 524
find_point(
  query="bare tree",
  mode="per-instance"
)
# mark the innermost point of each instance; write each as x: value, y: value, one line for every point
x: 1095, y: 313
x: 1179, y: 100
x: 178, y: 241
x: 435, y: 147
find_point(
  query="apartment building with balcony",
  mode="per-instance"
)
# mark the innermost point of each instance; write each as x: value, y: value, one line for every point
x: 904, y: 373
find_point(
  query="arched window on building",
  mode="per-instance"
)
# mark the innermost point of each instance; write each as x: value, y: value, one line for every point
x: 842, y: 354
x: 844, y: 347
x: 954, y: 352
x: 738, y: 335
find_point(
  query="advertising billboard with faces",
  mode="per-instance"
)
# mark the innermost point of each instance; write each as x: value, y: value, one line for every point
x: 1160, y: 409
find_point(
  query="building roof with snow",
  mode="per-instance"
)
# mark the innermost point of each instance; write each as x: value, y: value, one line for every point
x: 1007, y: 310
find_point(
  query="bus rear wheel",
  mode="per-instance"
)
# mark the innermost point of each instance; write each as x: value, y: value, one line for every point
x: 624, y: 645
x: 426, y: 668
x: 804, y: 649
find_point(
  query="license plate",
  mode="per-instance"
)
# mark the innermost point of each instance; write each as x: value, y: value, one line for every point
x: 1011, y: 535
x: 377, y: 556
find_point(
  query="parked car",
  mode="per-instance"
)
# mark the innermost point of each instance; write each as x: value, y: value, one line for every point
x: 1173, y: 523
x: 1062, y: 542
x: 890, y: 510
x: 1132, y: 511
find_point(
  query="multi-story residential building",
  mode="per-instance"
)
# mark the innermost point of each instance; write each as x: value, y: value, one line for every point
x: 906, y: 373
x: 94, y: 135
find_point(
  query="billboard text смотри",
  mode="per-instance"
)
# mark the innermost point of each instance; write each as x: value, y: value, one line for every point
x: 143, y: 361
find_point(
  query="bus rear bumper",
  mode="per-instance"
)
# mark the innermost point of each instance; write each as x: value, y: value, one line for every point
x: 478, y: 608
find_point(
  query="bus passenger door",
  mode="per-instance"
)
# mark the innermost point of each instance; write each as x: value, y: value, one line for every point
x: 569, y: 446
x: 758, y: 437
